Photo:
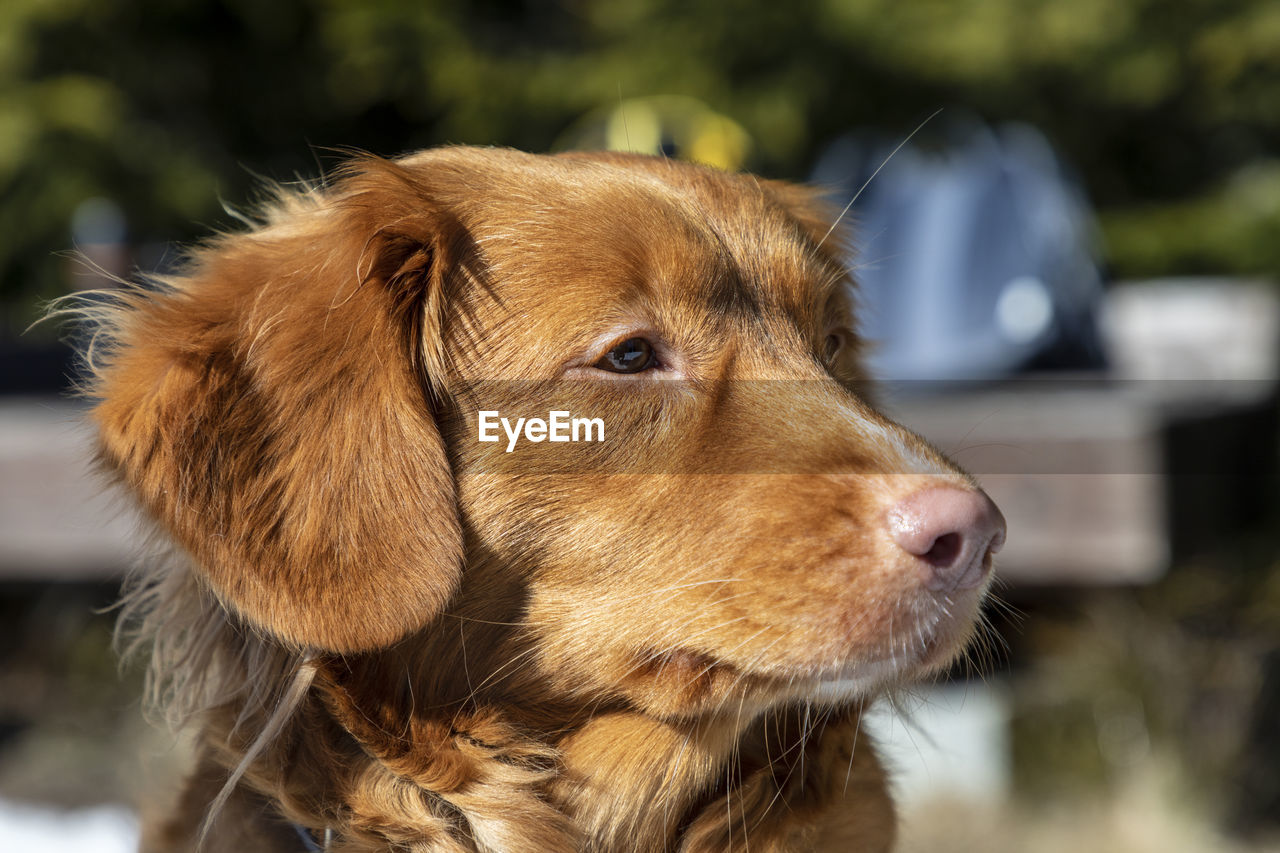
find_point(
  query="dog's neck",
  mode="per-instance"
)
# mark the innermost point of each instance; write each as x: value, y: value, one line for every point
x: 626, y: 776
x: 629, y: 781
x: 616, y: 780
x: 543, y: 774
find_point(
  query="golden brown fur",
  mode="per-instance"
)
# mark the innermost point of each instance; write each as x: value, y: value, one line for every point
x: 388, y: 630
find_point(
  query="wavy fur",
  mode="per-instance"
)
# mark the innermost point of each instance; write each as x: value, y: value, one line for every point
x: 384, y: 632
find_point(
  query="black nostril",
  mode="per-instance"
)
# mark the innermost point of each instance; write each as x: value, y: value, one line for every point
x: 951, y: 531
x: 945, y: 550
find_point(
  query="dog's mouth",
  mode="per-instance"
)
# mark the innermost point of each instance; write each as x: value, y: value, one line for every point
x: 926, y: 636
x: 868, y: 677
x: 691, y: 679
x: 832, y: 652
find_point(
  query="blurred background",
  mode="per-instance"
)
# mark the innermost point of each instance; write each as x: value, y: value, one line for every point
x: 1068, y: 236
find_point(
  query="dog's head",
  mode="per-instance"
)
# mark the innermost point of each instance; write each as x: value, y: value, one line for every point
x: 302, y: 410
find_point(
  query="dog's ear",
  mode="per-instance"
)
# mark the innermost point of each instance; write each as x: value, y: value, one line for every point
x: 827, y: 229
x: 270, y: 408
x: 821, y: 221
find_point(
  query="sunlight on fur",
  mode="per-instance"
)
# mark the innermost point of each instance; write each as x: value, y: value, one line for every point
x: 392, y: 636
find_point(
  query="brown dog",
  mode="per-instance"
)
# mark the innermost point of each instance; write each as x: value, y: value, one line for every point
x: 395, y: 635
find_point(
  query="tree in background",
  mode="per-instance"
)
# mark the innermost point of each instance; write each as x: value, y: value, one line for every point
x: 135, y: 118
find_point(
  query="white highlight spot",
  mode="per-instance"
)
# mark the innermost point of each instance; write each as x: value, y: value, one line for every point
x: 1024, y: 309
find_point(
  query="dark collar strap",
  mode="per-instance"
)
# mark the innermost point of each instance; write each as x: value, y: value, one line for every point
x: 308, y: 840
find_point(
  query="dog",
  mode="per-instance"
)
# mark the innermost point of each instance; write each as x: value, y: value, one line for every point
x: 394, y: 625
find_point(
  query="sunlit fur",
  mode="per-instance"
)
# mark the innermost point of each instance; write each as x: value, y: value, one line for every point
x: 383, y: 629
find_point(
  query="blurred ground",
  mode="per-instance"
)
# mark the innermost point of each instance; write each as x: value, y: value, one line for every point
x: 1144, y: 818
x: 72, y: 732
x: 100, y: 829
x: 1128, y: 731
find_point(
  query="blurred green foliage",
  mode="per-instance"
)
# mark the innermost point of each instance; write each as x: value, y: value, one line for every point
x: 167, y: 107
x: 1176, y: 671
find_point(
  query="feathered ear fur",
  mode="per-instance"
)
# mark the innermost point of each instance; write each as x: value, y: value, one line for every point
x: 816, y: 216
x: 269, y: 407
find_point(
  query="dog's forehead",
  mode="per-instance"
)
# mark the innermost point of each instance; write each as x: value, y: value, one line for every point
x: 645, y: 227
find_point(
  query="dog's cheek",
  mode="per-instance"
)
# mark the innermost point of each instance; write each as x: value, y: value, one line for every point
x: 669, y: 588
x: 669, y: 603
x: 768, y: 580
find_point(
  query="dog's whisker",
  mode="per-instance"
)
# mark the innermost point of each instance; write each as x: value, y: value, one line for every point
x: 867, y: 183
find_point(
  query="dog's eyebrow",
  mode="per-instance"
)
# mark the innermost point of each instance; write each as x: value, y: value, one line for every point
x: 767, y: 260
x: 795, y: 282
x: 728, y: 294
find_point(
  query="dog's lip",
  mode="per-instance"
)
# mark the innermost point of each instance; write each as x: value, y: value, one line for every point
x: 854, y: 674
x: 875, y: 670
x: 868, y: 674
x: 865, y: 669
x: 854, y: 682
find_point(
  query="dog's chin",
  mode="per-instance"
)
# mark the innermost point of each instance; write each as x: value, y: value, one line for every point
x: 684, y: 683
x: 687, y: 682
x: 927, y: 652
x: 865, y: 680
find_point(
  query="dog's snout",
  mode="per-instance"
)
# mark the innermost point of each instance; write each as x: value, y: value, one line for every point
x: 952, y: 532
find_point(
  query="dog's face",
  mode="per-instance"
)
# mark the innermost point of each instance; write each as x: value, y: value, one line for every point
x: 734, y: 536
x: 304, y: 414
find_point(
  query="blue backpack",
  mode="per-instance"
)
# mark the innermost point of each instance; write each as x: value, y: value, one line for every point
x: 973, y: 263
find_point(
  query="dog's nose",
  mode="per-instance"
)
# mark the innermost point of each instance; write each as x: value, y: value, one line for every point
x: 952, y: 531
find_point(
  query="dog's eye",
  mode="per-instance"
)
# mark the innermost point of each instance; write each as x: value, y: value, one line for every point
x: 831, y: 347
x: 630, y: 356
